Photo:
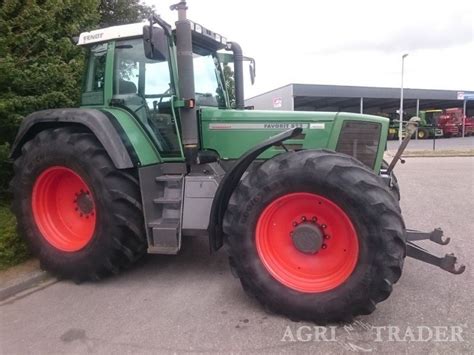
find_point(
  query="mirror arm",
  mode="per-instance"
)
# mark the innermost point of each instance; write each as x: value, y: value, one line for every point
x: 163, y: 24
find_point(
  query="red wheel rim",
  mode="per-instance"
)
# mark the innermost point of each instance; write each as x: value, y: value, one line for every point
x: 63, y: 208
x: 330, y: 266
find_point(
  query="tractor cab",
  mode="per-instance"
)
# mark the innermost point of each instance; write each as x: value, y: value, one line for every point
x: 123, y: 72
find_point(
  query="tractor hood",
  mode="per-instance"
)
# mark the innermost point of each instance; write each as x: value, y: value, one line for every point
x: 233, y: 132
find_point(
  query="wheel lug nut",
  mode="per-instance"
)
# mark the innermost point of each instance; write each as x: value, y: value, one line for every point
x: 327, y: 237
x: 314, y: 219
x: 324, y: 246
x: 303, y: 218
x: 323, y: 226
x: 295, y: 224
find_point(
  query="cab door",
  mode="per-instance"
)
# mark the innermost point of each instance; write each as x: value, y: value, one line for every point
x: 144, y: 87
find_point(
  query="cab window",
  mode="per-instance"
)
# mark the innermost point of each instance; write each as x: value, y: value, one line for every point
x: 93, y: 93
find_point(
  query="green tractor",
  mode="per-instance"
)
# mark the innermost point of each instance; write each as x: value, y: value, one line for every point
x: 302, y: 201
x: 427, y: 127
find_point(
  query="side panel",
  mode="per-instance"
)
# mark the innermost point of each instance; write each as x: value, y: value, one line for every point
x: 131, y: 130
x: 232, y: 132
x: 200, y: 188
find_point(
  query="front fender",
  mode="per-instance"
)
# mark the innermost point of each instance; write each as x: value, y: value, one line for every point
x: 231, y: 180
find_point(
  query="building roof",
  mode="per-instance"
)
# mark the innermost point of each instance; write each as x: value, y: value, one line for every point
x: 343, y: 97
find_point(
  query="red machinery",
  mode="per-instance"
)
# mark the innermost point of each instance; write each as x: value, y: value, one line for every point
x: 451, y: 122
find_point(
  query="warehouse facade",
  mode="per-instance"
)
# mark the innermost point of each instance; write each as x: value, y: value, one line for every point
x: 360, y: 99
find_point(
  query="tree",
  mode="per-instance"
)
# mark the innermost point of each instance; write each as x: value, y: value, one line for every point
x: 120, y: 12
x: 40, y: 66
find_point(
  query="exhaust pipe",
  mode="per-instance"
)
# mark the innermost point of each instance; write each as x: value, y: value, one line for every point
x: 238, y: 74
x: 184, y: 49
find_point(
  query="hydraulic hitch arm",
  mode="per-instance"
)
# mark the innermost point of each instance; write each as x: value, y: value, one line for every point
x: 410, y: 129
x: 448, y: 262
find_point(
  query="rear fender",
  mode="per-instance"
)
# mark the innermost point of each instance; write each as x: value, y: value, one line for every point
x: 102, y: 124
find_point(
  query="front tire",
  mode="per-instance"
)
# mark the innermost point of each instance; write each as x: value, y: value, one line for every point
x: 80, y: 215
x: 350, y: 213
x: 423, y: 134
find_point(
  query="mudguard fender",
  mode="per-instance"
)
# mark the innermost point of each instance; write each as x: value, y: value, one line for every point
x: 230, y: 182
x: 101, y: 124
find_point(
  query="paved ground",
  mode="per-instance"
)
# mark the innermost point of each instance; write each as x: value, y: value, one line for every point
x: 191, y: 303
x: 441, y: 144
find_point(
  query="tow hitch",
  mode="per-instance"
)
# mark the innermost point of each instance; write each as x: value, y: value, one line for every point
x: 448, y: 262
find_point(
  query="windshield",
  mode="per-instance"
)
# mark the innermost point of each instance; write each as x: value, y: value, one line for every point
x: 139, y: 76
x: 207, y: 83
x: 151, y: 80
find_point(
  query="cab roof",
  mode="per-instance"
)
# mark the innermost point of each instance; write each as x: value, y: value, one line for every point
x: 110, y: 33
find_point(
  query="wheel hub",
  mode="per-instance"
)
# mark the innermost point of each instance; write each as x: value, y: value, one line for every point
x: 84, y: 202
x: 307, y: 238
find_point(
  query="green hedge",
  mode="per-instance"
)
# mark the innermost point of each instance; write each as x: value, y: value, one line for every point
x: 5, y: 171
x: 13, y: 249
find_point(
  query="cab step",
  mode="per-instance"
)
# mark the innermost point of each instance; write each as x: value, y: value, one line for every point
x: 162, y: 195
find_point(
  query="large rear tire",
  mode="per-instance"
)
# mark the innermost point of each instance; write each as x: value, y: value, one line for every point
x: 80, y: 215
x: 315, y: 235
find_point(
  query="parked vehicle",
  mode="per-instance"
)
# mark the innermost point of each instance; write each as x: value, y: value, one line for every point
x: 455, y: 117
x: 429, y: 126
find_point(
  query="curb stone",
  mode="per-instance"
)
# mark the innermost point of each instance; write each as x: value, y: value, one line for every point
x: 23, y: 283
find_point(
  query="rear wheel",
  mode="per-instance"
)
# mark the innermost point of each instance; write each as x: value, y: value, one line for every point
x: 315, y: 235
x: 80, y: 215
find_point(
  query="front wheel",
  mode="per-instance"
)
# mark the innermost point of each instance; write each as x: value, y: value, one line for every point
x: 423, y: 134
x: 316, y: 236
x: 80, y: 215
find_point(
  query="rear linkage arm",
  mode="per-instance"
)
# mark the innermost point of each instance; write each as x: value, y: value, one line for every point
x: 447, y: 263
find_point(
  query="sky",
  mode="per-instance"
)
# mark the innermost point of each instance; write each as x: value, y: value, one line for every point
x: 357, y: 42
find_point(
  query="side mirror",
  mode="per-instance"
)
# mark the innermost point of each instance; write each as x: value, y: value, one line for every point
x: 155, y: 43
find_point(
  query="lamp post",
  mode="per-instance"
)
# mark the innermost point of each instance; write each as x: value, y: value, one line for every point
x: 400, y: 127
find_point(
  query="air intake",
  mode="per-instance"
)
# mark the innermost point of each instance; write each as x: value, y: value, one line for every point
x: 361, y: 140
